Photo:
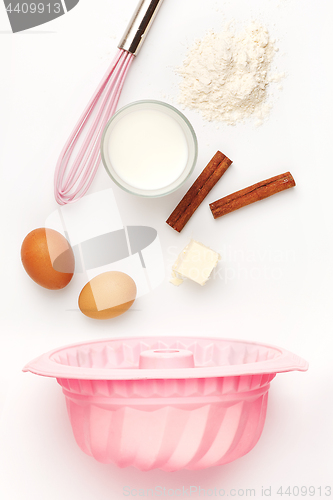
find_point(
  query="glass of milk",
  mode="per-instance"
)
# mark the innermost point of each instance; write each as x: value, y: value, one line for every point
x: 149, y: 148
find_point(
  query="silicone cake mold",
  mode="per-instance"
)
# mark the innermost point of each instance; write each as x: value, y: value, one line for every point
x: 166, y: 402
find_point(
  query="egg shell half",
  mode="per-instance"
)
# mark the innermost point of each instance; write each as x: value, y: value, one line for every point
x: 48, y: 258
x: 107, y: 295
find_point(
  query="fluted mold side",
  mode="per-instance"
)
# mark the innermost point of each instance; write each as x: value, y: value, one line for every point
x: 214, y: 386
x: 168, y: 437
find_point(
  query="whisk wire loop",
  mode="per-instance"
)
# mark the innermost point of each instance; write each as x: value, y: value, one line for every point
x: 78, y: 163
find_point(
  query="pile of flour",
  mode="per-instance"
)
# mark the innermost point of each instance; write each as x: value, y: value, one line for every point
x: 226, y: 75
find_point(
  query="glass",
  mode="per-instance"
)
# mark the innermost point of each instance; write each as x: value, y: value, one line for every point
x: 186, y: 127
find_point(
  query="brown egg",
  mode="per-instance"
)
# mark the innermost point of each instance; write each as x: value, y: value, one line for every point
x: 48, y: 258
x: 107, y: 295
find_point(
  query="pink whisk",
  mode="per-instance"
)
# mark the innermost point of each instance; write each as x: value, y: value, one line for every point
x: 80, y: 157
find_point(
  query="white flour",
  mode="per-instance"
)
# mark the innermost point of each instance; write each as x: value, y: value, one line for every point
x: 226, y: 75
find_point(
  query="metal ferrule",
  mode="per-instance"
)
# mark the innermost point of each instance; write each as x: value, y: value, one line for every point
x: 139, y: 25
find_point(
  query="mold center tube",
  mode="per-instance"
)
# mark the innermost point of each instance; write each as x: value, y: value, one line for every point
x: 166, y: 358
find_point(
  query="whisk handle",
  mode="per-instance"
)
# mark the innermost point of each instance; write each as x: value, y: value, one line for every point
x: 139, y: 25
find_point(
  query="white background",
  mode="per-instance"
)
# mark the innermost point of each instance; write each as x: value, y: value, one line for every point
x: 276, y: 269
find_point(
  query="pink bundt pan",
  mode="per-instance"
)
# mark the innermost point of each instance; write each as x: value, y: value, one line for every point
x: 167, y: 403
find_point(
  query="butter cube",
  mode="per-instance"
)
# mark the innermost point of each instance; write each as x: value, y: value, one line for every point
x: 196, y: 262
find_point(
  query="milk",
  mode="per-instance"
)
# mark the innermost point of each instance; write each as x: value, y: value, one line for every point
x: 148, y: 149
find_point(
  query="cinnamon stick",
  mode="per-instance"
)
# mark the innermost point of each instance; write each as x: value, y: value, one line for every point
x: 198, y: 191
x: 249, y: 195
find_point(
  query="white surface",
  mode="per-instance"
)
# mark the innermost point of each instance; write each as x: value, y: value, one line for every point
x: 274, y: 280
x: 91, y: 220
